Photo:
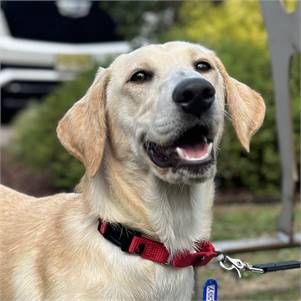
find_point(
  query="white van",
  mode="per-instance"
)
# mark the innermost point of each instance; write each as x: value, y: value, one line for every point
x: 43, y: 43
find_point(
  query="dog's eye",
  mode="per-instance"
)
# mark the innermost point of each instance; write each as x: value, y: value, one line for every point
x: 202, y: 66
x: 141, y: 76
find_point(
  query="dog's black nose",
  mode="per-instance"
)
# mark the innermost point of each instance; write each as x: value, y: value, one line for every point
x: 194, y: 96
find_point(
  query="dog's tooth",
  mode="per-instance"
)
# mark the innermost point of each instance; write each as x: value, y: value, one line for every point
x: 210, y: 145
x: 180, y: 153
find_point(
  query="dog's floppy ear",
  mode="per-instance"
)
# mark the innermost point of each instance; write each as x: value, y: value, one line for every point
x: 246, y: 107
x: 82, y: 130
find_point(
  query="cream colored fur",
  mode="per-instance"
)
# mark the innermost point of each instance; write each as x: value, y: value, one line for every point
x: 50, y: 248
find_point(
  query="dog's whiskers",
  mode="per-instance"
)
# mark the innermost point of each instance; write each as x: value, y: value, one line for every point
x: 227, y: 115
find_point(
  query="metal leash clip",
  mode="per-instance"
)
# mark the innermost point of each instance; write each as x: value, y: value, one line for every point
x: 228, y: 263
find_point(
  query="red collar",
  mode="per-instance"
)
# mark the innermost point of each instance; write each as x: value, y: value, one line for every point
x: 133, y: 242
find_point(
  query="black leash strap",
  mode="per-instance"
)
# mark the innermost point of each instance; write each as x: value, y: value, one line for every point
x: 278, y: 266
x: 234, y: 264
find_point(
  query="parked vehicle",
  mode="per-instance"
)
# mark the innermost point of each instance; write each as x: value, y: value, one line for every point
x: 43, y: 43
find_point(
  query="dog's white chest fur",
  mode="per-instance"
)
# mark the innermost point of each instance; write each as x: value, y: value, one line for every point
x: 140, y: 279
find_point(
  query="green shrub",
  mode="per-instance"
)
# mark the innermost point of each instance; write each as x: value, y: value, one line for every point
x: 35, y: 142
x: 132, y: 24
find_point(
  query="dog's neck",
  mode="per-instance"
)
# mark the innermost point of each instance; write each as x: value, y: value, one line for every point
x: 176, y: 215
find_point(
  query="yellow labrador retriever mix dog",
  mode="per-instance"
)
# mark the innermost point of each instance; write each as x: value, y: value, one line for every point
x: 147, y: 132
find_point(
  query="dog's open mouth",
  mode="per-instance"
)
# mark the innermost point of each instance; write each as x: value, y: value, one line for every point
x: 194, y: 148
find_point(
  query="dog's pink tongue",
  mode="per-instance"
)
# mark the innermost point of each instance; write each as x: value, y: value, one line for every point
x: 197, y: 151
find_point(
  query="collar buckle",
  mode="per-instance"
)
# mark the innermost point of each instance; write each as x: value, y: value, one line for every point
x: 117, y: 234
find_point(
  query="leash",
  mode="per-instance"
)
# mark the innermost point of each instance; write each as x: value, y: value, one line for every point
x: 228, y: 263
x: 133, y: 242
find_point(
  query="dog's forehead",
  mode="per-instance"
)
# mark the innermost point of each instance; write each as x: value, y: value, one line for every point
x: 161, y: 53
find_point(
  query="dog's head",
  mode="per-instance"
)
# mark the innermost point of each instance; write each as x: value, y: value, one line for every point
x: 162, y: 107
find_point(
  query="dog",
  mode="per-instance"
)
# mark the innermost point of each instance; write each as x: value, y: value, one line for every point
x: 147, y: 132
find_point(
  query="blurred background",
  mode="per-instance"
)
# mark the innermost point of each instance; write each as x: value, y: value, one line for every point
x: 49, y: 51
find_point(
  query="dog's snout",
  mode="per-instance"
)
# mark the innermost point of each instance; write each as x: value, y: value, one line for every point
x: 194, y: 96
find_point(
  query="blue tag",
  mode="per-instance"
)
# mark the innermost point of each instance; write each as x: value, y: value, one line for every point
x: 210, y: 290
